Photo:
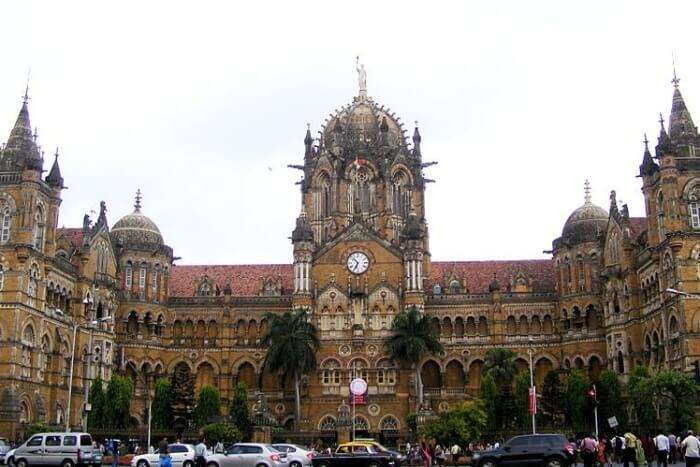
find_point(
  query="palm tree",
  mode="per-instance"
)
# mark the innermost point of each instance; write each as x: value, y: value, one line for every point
x: 412, y: 338
x: 501, y: 365
x: 291, y: 343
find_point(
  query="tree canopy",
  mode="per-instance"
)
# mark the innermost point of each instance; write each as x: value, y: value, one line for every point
x: 238, y: 411
x: 120, y: 390
x: 464, y: 423
x: 96, y: 398
x: 208, y: 406
x: 162, y: 404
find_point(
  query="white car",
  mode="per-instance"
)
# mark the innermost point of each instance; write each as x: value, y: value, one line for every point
x: 182, y: 455
x: 297, y: 456
x: 9, y: 458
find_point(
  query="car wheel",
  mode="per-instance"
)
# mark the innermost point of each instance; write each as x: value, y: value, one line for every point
x: 488, y: 463
x: 373, y: 464
x: 554, y: 462
x: 187, y: 464
x: 294, y: 464
x: 22, y: 463
x: 142, y: 463
x: 212, y: 464
x: 67, y: 463
x: 323, y: 464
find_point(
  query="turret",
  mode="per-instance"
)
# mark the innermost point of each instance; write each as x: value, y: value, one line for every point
x: 648, y: 167
x: 54, y: 177
x: 21, y: 151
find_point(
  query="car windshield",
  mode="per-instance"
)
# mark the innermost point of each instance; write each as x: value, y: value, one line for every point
x: 379, y: 447
x: 3, y: 443
x: 272, y: 448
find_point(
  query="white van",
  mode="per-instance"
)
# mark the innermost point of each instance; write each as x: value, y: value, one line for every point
x: 64, y: 449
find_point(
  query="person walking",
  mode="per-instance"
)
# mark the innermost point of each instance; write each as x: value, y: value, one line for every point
x: 662, y: 448
x: 200, y: 452
x: 455, y: 451
x: 619, y: 448
x: 115, y: 453
x: 425, y: 454
x: 672, y: 448
x: 589, y: 448
x: 649, y: 448
x: 601, y: 460
x: 691, y: 446
x: 629, y: 453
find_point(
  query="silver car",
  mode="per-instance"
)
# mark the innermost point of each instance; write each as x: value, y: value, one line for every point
x: 181, y: 455
x: 4, y: 449
x: 248, y: 455
x: 57, y: 448
x: 297, y: 456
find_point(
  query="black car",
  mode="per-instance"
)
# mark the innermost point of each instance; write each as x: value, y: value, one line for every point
x: 536, y: 450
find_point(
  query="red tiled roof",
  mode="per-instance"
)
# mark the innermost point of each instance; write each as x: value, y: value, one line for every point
x: 244, y: 278
x: 638, y: 225
x: 73, y: 235
x: 479, y: 274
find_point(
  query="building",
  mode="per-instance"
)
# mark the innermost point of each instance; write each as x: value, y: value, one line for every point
x: 89, y: 301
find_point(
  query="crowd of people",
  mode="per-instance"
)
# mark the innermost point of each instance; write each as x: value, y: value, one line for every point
x: 630, y: 450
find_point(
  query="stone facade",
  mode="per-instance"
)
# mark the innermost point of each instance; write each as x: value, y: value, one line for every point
x: 115, y: 301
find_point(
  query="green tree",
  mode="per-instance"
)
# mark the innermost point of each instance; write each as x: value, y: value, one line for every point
x: 522, y: 399
x: 463, y: 424
x: 500, y: 366
x: 224, y: 432
x: 610, y: 398
x: 96, y: 416
x: 162, y: 404
x: 120, y: 391
x: 34, y: 428
x: 552, y: 396
x: 575, y: 399
x: 412, y: 422
x: 238, y: 411
x: 640, y: 389
x: 412, y: 338
x: 208, y: 406
x: 489, y: 394
x: 675, y: 393
x: 291, y: 343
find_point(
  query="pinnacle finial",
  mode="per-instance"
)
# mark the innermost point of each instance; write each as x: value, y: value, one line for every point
x: 137, y: 204
x: 675, y: 79
x: 661, y: 121
x: 646, y: 142
x: 587, y: 191
x: 56, y: 153
x: 25, y: 98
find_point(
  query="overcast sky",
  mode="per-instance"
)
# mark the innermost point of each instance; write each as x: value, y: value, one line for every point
x: 203, y: 104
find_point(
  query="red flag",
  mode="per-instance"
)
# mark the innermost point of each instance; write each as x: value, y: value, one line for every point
x: 532, y: 393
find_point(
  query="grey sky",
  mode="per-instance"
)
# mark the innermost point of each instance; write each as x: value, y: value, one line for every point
x: 202, y: 105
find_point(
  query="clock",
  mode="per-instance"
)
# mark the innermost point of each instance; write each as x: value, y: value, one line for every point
x: 358, y: 262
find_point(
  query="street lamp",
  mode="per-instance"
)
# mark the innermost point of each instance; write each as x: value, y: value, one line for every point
x: 91, y: 325
x: 532, y: 395
x: 144, y: 377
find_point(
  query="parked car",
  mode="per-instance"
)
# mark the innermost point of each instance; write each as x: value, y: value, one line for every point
x: 9, y: 458
x: 359, y: 454
x: 4, y: 448
x: 549, y: 450
x: 297, y: 456
x: 64, y: 449
x: 248, y: 455
x: 182, y: 455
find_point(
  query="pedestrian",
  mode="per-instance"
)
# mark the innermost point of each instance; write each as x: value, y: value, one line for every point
x: 649, y: 448
x: 639, y: 452
x: 163, y: 448
x: 425, y: 454
x: 691, y: 445
x: 439, y: 455
x: 600, y: 451
x: 619, y: 447
x: 200, y: 452
x: 662, y: 448
x: 629, y: 453
x: 455, y: 451
x: 115, y: 453
x: 672, y: 448
x: 588, y: 447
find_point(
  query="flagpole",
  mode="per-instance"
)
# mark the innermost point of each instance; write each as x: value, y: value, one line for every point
x: 354, y: 375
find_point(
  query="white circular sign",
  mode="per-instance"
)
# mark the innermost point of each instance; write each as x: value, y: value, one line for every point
x: 358, y: 386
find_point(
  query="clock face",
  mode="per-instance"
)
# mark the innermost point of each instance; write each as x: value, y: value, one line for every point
x: 358, y: 262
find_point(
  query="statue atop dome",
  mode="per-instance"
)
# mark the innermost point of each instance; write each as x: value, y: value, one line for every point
x: 361, y: 77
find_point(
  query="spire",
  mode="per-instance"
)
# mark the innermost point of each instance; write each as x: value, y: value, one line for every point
x: 54, y: 178
x: 137, y: 203
x: 680, y: 123
x: 416, y: 140
x: 308, y: 141
x: 587, y: 192
x: 21, y: 150
x: 648, y: 166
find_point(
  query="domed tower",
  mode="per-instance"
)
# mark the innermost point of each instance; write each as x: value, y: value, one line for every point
x: 577, y: 256
x: 144, y: 270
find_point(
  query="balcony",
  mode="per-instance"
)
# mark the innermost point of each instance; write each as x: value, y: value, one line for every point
x: 105, y: 280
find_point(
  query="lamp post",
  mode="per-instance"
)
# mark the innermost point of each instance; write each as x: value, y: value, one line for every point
x: 145, y: 378
x: 70, y: 377
x: 88, y: 373
x: 532, y: 395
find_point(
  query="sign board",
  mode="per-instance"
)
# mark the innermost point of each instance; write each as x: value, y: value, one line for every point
x: 612, y: 421
x: 532, y: 396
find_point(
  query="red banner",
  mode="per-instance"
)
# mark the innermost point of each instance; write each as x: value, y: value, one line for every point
x: 532, y: 393
x: 360, y: 399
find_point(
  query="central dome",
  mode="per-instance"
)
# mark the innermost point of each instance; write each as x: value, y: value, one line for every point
x: 363, y: 122
x: 136, y: 228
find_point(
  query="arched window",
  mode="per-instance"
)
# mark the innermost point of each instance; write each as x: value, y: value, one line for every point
x: 358, y: 369
x: 386, y: 373
x: 660, y: 216
x: 2, y: 277
x: 389, y: 423
x: 694, y: 206
x: 327, y: 423
x: 128, y: 275
x: 6, y: 224
x: 455, y: 286
x: 142, y: 277
x: 38, y: 239
x: 154, y: 282
x: 33, y: 283
x: 401, y: 199
x: 330, y: 373
x: 101, y: 258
